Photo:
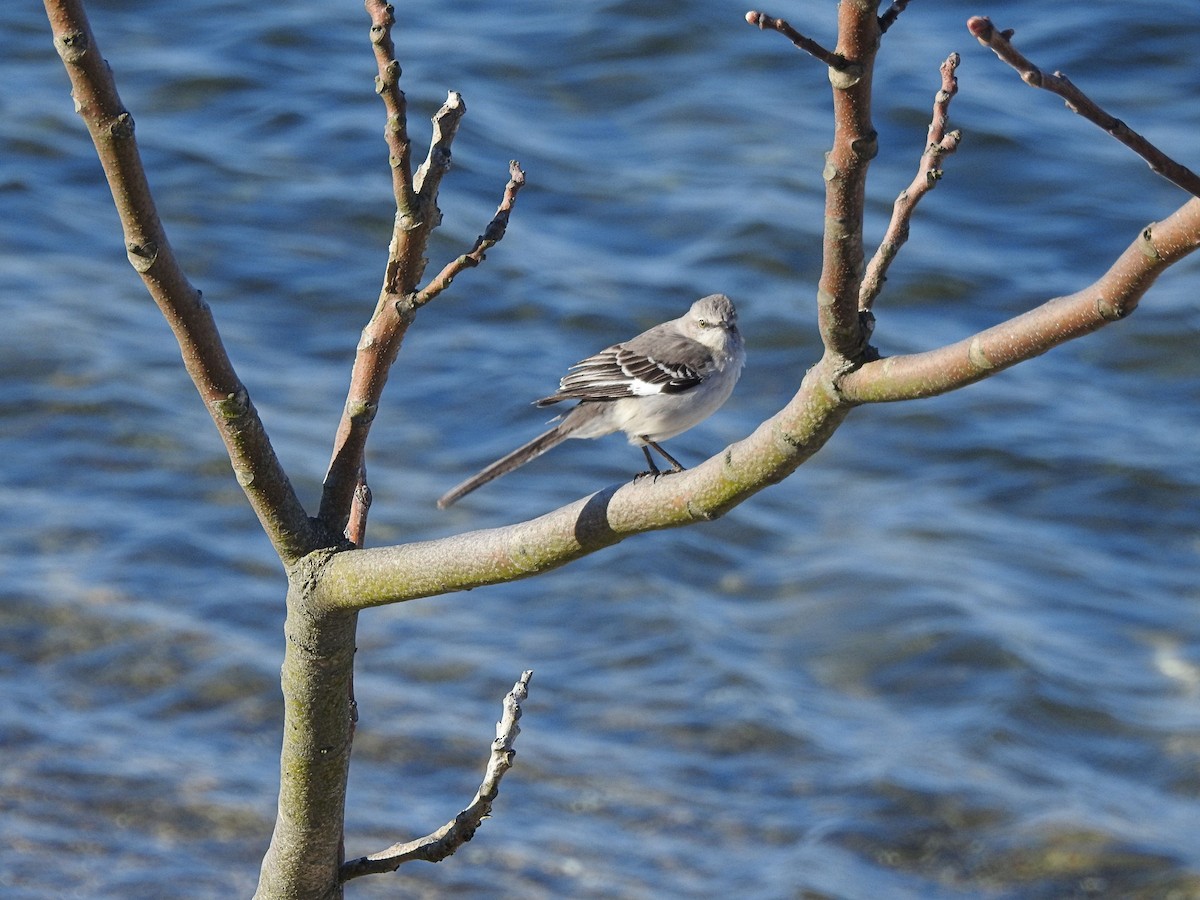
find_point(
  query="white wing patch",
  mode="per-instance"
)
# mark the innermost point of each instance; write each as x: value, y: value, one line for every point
x: 619, y: 371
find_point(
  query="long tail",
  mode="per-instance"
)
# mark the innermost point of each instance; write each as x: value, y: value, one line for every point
x: 506, y: 464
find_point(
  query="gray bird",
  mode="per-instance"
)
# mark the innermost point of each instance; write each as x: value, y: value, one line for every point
x: 652, y: 387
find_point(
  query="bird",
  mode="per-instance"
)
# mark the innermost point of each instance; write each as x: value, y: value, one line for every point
x: 651, y: 387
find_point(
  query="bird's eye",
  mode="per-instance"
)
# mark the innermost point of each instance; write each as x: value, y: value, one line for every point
x: 703, y: 323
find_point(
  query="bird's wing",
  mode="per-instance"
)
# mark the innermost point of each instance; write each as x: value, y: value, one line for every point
x: 662, y: 363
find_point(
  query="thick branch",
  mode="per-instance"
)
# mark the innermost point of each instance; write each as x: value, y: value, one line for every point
x: 1077, y: 101
x: 938, y: 144
x: 855, y: 143
x: 315, y: 757
x: 446, y: 840
x: 111, y: 126
x: 1111, y: 298
x: 361, y: 578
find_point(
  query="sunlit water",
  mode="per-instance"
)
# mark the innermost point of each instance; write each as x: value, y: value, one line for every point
x: 954, y: 655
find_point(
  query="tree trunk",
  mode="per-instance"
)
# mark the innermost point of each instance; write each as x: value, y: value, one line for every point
x: 305, y: 850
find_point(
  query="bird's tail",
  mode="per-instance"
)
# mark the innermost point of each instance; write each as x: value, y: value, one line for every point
x: 506, y: 464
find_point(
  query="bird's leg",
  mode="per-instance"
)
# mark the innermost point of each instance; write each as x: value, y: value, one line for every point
x: 675, y: 465
x: 653, y: 471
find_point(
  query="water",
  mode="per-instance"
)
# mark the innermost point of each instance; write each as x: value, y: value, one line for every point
x: 954, y: 655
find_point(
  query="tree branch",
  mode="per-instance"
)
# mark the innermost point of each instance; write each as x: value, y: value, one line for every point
x: 358, y: 579
x: 1078, y: 102
x: 387, y: 85
x: 843, y: 331
x: 768, y: 23
x: 228, y: 402
x: 446, y: 840
x: 888, y: 19
x: 490, y: 237
x: 437, y: 161
x: 1110, y: 299
x: 417, y: 215
x: 363, y: 578
x: 939, y: 143
x: 314, y: 759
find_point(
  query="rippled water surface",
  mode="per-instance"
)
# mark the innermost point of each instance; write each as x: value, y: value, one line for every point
x: 957, y: 654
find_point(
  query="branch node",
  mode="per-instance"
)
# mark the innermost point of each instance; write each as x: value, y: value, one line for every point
x: 122, y: 126
x: 1146, y: 243
x: 867, y: 146
x: 72, y: 47
x: 978, y: 356
x: 142, y: 256
x: 234, y: 405
x: 361, y: 413
x: 1112, y: 309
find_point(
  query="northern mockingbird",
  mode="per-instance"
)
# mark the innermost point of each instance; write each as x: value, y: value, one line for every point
x: 652, y: 387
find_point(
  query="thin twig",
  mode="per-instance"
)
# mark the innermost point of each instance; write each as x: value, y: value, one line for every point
x: 1078, y: 102
x: 939, y: 144
x: 768, y: 23
x: 446, y: 840
x: 888, y: 19
x: 387, y: 85
x: 490, y: 237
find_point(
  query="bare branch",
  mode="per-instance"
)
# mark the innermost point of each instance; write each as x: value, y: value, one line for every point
x: 1113, y: 297
x: 437, y: 162
x: 764, y: 23
x: 1078, y: 102
x: 844, y: 331
x: 417, y: 215
x: 112, y: 129
x: 491, y: 236
x: 377, y: 349
x: 358, y: 579
x: 446, y: 840
x: 939, y: 143
x: 356, y: 527
x: 387, y: 85
x: 888, y: 19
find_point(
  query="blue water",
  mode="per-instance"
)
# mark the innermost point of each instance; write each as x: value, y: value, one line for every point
x: 955, y: 655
